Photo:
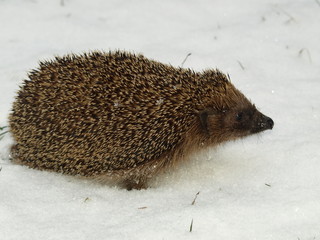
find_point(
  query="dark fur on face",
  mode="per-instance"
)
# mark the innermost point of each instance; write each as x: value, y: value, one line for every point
x: 246, y: 120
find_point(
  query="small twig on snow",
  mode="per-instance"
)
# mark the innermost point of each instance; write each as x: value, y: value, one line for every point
x: 185, y: 59
x: 291, y: 19
x: 191, y: 225
x: 3, y: 133
x: 242, y: 67
x: 194, y: 200
x: 142, y: 207
x: 308, y: 53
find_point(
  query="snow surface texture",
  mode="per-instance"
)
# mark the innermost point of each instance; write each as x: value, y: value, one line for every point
x: 262, y: 187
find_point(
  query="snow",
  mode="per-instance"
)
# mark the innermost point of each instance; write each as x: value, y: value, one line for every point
x: 262, y: 187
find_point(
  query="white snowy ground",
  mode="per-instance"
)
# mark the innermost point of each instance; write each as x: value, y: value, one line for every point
x: 261, y: 187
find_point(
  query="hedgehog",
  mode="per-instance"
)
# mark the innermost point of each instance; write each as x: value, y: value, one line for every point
x: 121, y: 116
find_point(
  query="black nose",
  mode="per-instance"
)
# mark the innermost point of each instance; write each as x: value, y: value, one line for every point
x: 262, y: 123
x: 269, y: 123
x: 265, y: 123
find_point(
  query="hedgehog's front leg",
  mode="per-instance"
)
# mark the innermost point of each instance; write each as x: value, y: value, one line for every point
x: 138, y: 178
x: 134, y: 183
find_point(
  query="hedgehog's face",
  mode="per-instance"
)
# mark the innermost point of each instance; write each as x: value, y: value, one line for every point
x: 236, y: 122
x: 245, y: 121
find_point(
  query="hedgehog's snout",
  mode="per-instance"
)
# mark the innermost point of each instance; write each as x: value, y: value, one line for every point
x: 265, y: 123
x: 262, y: 123
x: 270, y: 123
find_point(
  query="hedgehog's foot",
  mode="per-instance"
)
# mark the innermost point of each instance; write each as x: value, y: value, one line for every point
x: 134, y: 183
x: 15, y: 155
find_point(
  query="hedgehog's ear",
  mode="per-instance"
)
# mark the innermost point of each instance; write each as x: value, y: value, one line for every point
x: 203, y: 116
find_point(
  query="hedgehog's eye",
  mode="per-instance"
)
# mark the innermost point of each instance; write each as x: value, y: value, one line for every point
x: 239, y: 116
